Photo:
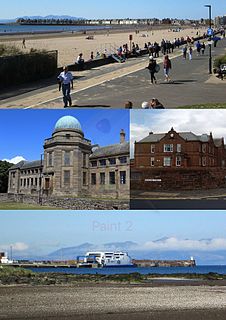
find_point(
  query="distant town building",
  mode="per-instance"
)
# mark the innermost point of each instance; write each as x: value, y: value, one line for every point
x: 72, y: 166
x: 220, y: 21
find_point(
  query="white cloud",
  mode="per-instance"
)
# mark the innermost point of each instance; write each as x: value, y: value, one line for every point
x: 17, y: 246
x: 15, y: 160
x: 197, y: 121
x: 185, y: 244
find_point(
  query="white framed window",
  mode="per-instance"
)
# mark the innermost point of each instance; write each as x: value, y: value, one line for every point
x: 168, y: 147
x: 152, y: 148
x: 204, y: 161
x: 178, y: 161
x: 204, y: 148
x: 179, y: 148
x: 152, y: 162
x: 167, y: 162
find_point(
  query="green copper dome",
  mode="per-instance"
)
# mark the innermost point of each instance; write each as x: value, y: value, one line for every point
x: 68, y: 122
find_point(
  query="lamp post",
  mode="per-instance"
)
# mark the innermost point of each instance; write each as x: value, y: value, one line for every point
x: 210, y: 36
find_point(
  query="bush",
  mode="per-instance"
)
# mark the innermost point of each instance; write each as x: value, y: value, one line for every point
x: 20, y: 68
x: 9, y: 50
x: 219, y: 61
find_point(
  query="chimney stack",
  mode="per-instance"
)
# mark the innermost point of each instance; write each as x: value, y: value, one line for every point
x: 122, y: 136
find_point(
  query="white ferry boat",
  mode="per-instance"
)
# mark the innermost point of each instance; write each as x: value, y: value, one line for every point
x: 106, y: 259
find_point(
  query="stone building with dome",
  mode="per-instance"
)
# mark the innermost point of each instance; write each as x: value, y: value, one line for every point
x: 71, y: 166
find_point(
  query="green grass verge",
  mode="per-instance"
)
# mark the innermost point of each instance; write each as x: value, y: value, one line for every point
x: 24, y: 206
x: 205, y: 106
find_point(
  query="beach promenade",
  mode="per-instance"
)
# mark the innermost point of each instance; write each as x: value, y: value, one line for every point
x: 113, y: 302
x: 111, y: 85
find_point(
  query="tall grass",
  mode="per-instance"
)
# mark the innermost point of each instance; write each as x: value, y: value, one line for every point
x: 17, y: 67
x: 9, y: 50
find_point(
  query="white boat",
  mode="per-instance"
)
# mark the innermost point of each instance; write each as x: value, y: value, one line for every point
x: 107, y: 259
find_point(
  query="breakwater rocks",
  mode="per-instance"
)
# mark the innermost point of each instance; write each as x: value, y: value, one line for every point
x: 67, y: 203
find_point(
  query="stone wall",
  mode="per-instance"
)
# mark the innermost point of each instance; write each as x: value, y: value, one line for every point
x: 67, y: 203
x: 177, y: 179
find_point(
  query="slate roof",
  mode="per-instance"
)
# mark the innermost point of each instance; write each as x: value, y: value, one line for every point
x: 116, y: 149
x: 26, y: 165
x: 189, y: 136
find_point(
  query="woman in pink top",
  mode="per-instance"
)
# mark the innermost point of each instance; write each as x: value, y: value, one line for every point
x: 167, y: 66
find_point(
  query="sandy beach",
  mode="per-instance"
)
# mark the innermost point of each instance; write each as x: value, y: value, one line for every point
x: 98, y: 301
x: 70, y: 45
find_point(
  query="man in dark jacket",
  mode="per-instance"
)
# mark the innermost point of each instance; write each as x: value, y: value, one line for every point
x: 152, y: 69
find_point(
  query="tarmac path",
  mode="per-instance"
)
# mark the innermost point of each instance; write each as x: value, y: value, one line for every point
x: 110, y: 86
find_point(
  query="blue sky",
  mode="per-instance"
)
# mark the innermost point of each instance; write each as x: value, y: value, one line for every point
x: 45, y: 232
x: 117, y: 9
x: 22, y: 133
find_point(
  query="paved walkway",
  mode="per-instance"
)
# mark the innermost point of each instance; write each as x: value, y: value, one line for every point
x: 110, y: 86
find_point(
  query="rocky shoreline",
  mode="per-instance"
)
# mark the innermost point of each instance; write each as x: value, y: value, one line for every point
x: 18, y: 276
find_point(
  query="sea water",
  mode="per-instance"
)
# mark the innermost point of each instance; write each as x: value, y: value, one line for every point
x: 23, y: 29
x: 121, y: 270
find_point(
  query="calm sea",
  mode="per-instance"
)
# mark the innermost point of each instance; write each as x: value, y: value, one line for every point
x: 8, y: 29
x: 106, y: 271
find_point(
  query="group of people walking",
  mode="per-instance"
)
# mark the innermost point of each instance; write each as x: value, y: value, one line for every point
x: 154, y: 68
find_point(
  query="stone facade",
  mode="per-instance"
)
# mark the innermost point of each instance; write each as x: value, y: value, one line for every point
x: 183, y: 161
x: 72, y: 166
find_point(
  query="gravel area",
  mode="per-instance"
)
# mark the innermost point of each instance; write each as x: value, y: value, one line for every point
x: 84, y: 301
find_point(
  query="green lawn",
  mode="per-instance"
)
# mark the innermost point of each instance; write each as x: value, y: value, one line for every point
x: 24, y: 206
x: 206, y: 106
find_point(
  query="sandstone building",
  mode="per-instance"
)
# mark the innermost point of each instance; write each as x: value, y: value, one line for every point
x: 178, y: 160
x: 72, y: 166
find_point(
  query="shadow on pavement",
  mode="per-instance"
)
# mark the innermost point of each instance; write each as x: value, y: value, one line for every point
x: 90, y: 106
x: 24, y: 88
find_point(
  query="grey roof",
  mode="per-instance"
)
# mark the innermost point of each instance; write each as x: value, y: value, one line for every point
x: 116, y: 149
x: 189, y: 136
x: 27, y: 165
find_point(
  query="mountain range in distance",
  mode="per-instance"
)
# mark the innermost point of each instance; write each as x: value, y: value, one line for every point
x: 49, y: 17
x: 203, y: 257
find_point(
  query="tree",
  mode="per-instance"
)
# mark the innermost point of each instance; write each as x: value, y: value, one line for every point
x: 4, y: 175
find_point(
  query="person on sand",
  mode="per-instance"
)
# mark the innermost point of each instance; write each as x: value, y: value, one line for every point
x: 66, y: 80
x: 167, y: 67
x: 152, y: 69
x: 23, y: 43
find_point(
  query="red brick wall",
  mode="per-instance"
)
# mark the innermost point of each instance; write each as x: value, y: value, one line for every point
x: 177, y: 179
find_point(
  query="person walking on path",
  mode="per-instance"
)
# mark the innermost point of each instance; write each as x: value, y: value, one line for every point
x: 190, y: 53
x: 167, y: 67
x: 198, y: 47
x: 152, y: 69
x: 203, y: 48
x: 66, y: 80
x: 184, y: 51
